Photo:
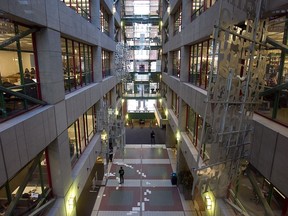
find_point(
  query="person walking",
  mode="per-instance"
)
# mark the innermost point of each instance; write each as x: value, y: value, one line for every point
x: 121, y: 173
x: 152, y: 135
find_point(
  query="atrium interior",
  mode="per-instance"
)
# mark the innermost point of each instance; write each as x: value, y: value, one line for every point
x: 84, y: 83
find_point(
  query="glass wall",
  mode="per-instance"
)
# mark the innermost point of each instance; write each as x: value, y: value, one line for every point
x: 77, y: 64
x: 165, y: 63
x: 104, y: 20
x: 274, y: 197
x: 166, y: 32
x: 107, y: 99
x: 81, y: 7
x: 106, y: 60
x: 18, y: 68
x: 199, y: 6
x: 275, y: 99
x: 175, y: 103
x: 27, y: 188
x: 80, y: 133
x: 178, y: 20
x: 176, y: 63
x: 194, y: 125
x: 201, y: 63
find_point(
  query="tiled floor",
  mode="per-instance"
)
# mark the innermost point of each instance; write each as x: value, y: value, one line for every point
x: 147, y: 188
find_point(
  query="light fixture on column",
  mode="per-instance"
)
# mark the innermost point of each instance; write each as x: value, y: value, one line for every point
x: 178, y: 136
x: 208, y: 202
x: 103, y: 135
x: 71, y: 202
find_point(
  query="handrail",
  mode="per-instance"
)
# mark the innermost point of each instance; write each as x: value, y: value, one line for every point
x: 20, y: 95
x: 274, y: 89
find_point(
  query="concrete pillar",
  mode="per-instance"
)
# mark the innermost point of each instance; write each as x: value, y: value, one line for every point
x: 186, y: 12
x: 182, y: 115
x: 171, y: 141
x: 111, y: 26
x: 169, y: 98
x: 97, y: 64
x: 170, y: 63
x: 50, y: 65
x: 60, y: 165
x: 113, y: 97
x: 185, y: 59
x: 171, y: 26
x: 95, y: 14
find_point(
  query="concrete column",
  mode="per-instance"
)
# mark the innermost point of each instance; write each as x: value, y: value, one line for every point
x: 97, y: 64
x: 60, y: 165
x: 185, y: 58
x: 182, y: 115
x: 95, y: 13
x: 112, y: 64
x: 170, y: 63
x: 114, y: 97
x: 186, y: 12
x: 170, y: 137
x: 171, y: 26
x: 169, y: 98
x: 111, y: 26
x: 50, y: 65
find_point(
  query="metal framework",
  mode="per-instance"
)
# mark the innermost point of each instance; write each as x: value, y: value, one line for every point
x: 107, y: 120
x: 232, y: 97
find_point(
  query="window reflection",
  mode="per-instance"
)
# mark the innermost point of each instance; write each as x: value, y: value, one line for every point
x: 275, y: 99
x: 34, y: 190
x: 80, y: 6
x: 77, y: 64
x: 80, y: 134
x: 18, y: 73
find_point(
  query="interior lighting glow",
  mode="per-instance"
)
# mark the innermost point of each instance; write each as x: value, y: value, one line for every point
x: 178, y: 136
x: 208, y: 202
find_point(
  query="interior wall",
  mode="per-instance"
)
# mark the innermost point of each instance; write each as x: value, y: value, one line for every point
x: 9, y: 62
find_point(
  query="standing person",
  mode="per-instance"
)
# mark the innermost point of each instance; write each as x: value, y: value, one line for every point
x: 110, y: 153
x: 121, y: 173
x: 152, y: 135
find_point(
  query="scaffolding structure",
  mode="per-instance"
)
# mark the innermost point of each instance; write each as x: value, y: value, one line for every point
x: 235, y: 82
x: 108, y: 121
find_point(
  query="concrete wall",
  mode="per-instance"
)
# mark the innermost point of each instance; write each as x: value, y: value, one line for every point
x: 23, y: 137
x: 269, y: 152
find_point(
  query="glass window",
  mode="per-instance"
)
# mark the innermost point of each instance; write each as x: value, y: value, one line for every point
x: 106, y: 59
x: 166, y: 33
x: 191, y: 122
x: 80, y: 6
x: 18, y: 71
x: 275, y: 102
x: 35, y: 189
x: 199, y: 6
x: 104, y: 20
x: 176, y: 63
x: 80, y: 133
x: 194, y: 124
x: 178, y: 20
x: 175, y: 103
x: 201, y: 55
x: 77, y: 64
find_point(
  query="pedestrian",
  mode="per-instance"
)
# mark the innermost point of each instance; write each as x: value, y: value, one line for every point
x: 121, y: 173
x: 110, y: 153
x: 152, y: 135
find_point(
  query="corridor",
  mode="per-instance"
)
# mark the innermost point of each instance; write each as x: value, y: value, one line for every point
x: 147, y: 188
